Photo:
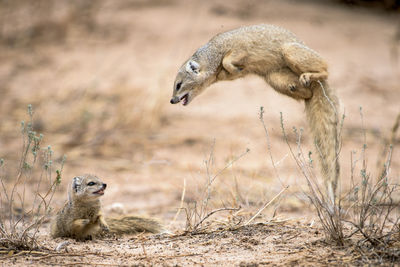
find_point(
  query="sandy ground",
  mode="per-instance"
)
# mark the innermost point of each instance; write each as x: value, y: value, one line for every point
x: 101, y: 90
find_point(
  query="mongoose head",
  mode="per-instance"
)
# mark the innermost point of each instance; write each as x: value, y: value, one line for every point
x: 87, y: 186
x: 189, y: 82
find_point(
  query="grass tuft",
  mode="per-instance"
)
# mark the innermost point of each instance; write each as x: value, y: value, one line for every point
x: 20, y: 219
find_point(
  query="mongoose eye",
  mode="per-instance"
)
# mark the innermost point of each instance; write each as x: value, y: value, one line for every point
x: 91, y: 183
x: 178, y: 86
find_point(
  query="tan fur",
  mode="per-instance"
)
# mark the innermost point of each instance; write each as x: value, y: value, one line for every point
x: 81, y: 217
x: 129, y: 224
x: 286, y: 64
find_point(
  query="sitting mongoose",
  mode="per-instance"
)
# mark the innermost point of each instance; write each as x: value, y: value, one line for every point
x: 81, y: 217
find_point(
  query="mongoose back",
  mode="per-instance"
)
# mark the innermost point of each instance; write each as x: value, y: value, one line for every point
x: 286, y: 64
x: 81, y: 217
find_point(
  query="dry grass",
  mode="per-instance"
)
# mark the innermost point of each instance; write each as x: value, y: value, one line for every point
x: 372, y: 204
x: 204, y: 204
x: 366, y: 216
x: 198, y: 210
x: 26, y: 195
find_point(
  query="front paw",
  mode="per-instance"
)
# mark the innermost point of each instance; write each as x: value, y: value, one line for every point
x: 104, y: 228
x: 305, y: 79
x: 223, y: 75
x: 84, y: 221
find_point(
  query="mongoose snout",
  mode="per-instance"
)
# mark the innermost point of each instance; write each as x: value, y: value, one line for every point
x: 174, y: 100
x: 184, y: 98
x: 101, y: 191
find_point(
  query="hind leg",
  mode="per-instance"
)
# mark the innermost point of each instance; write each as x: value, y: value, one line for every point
x: 287, y: 82
x: 305, y: 62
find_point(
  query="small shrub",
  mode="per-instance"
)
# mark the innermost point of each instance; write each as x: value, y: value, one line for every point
x: 198, y: 210
x: 367, y: 211
x: 26, y: 195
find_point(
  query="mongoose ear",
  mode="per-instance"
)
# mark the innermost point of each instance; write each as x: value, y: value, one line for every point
x: 193, y: 66
x: 76, y: 183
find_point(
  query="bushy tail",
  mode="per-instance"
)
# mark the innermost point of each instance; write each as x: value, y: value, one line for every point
x: 322, y: 115
x: 129, y: 224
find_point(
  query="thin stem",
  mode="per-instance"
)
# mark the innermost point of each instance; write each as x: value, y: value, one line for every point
x: 266, y: 205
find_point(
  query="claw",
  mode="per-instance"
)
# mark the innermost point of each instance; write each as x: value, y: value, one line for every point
x: 305, y: 79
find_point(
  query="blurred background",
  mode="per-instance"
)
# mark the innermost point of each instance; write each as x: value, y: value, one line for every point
x: 99, y: 75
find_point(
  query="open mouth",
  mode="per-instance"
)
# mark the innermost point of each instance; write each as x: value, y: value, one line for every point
x: 99, y: 192
x: 185, y: 99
